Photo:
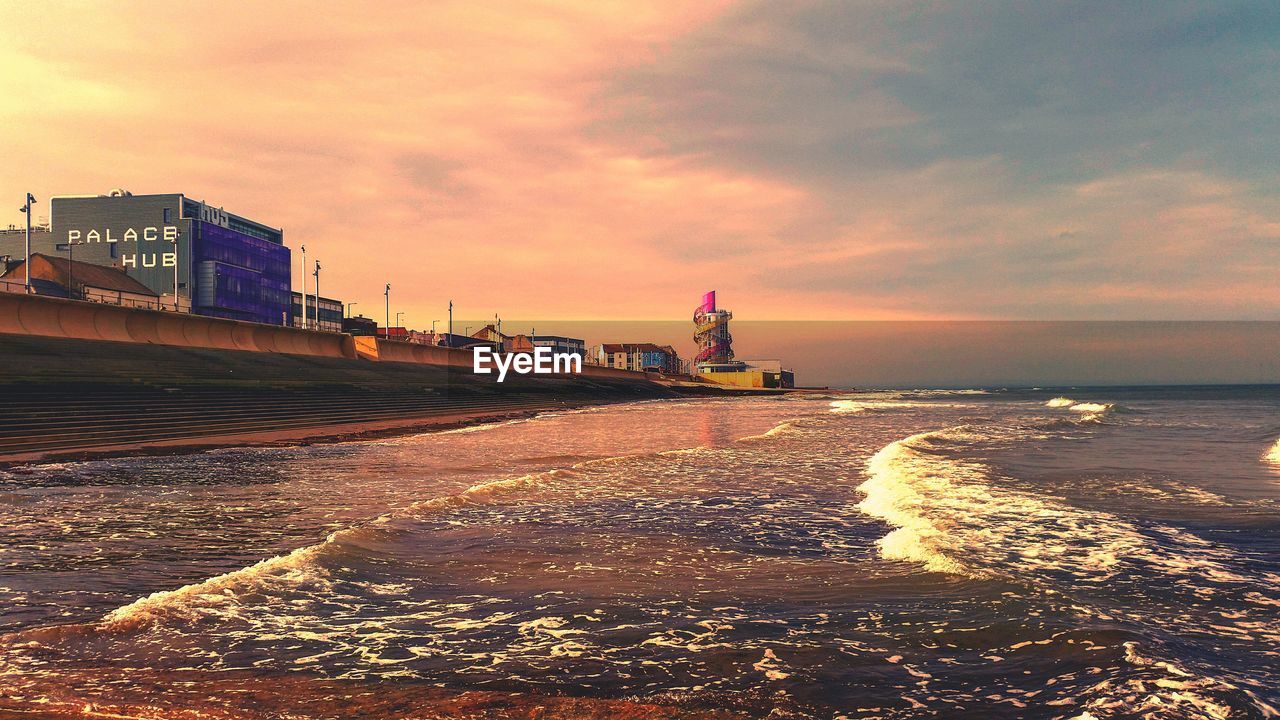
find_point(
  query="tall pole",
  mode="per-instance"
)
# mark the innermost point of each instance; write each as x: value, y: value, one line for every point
x: 175, y: 274
x: 451, y: 317
x: 304, y: 287
x: 349, y: 308
x: 433, y: 329
x: 387, y: 293
x: 26, y: 265
x: 71, y: 270
x: 317, y: 313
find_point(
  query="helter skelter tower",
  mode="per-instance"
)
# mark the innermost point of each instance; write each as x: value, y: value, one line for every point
x: 715, y: 344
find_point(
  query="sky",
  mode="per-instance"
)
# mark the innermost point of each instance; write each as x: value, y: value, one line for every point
x: 866, y: 160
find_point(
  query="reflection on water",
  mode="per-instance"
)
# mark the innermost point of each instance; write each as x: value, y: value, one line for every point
x: 1011, y: 554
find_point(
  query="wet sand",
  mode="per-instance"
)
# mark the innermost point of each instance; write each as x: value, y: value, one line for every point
x: 240, y: 696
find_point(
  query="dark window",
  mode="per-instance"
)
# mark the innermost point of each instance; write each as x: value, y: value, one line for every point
x: 168, y: 216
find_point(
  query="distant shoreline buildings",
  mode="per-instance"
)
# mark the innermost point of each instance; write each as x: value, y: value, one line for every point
x: 167, y: 251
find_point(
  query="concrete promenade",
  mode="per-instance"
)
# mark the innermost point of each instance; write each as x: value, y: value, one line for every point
x: 85, y: 380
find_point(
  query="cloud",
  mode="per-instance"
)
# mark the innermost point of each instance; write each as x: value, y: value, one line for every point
x: 819, y: 159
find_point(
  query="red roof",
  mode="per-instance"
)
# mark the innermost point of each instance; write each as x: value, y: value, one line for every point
x: 646, y: 347
x: 60, y: 270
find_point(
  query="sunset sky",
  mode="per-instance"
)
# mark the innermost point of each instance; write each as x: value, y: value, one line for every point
x: 808, y: 160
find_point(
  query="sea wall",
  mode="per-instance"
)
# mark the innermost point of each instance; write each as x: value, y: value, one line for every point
x: 57, y: 318
x: 70, y: 397
x: 41, y: 316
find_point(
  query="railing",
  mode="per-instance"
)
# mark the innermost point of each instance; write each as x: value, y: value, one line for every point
x: 107, y: 297
x: 122, y: 299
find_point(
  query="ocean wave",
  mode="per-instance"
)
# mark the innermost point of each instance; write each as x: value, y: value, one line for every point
x: 1159, y: 688
x: 1092, y: 410
x: 858, y: 406
x: 899, y: 477
x: 298, y: 570
x: 780, y: 429
x: 1272, y: 455
x: 956, y: 515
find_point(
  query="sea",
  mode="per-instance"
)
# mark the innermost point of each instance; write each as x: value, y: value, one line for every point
x: 1082, y: 553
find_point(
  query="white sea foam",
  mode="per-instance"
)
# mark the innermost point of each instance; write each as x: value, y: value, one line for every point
x: 957, y: 516
x: 780, y: 429
x: 857, y: 406
x: 217, y: 595
x: 1091, y: 410
x: 1272, y: 456
x: 1164, y: 689
x: 1089, y: 407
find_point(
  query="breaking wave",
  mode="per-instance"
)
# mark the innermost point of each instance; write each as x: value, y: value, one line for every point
x: 1085, y: 408
x: 1273, y: 455
x: 858, y: 406
x: 780, y: 429
x: 292, y: 571
x: 958, y: 516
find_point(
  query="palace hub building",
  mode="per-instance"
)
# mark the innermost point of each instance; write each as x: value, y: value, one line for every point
x: 223, y: 264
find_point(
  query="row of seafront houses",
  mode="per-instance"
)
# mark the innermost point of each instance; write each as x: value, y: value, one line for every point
x: 169, y: 252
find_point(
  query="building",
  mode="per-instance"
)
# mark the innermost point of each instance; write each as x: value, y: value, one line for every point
x: 222, y: 264
x: 59, y: 277
x: 455, y: 340
x: 490, y: 333
x: 715, y: 344
x: 360, y: 325
x: 637, y: 356
x: 750, y: 373
x: 326, y: 317
x: 714, y: 360
x: 560, y: 344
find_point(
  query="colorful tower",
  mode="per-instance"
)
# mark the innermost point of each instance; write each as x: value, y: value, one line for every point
x: 715, y: 344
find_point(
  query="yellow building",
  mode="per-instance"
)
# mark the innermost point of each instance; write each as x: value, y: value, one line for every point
x: 749, y: 373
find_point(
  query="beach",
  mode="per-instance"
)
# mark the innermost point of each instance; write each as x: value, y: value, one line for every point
x: 1061, y: 553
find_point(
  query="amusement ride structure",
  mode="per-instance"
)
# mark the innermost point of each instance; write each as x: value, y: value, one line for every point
x: 715, y: 344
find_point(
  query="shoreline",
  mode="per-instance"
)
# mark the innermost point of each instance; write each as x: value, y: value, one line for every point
x: 314, y: 698
x: 301, y: 437
x: 342, y: 432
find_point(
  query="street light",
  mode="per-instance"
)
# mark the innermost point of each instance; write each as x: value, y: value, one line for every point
x: 433, y: 328
x: 26, y: 266
x: 176, y: 308
x: 387, y: 293
x: 304, y: 287
x: 71, y: 269
x: 398, y: 315
x: 349, y: 308
x: 317, y: 295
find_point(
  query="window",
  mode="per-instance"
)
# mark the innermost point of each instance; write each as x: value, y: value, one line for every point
x: 168, y: 216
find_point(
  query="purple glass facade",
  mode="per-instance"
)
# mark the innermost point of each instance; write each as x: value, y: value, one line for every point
x: 240, y: 276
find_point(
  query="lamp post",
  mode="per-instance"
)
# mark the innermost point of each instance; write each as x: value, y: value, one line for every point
x: 387, y: 294
x: 451, y: 317
x: 349, y: 308
x: 434, y: 341
x: 71, y: 270
x: 304, y: 287
x: 176, y: 308
x: 317, y: 313
x: 398, y: 315
x: 26, y: 265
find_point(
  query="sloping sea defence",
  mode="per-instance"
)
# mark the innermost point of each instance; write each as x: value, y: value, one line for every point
x: 84, y: 380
